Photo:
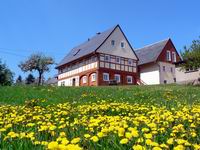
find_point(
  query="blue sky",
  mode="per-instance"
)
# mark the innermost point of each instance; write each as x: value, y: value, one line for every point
x: 55, y: 26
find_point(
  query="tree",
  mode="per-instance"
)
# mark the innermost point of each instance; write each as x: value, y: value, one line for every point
x: 30, y: 79
x: 37, y: 62
x: 6, y: 76
x: 191, y: 56
x: 19, y: 79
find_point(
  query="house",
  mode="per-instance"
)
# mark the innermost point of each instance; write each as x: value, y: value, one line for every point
x: 52, y: 81
x: 107, y: 58
x: 187, y: 76
x: 156, y: 62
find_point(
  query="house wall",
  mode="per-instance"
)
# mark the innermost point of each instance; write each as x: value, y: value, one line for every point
x: 89, y: 81
x: 79, y: 70
x: 69, y: 81
x: 186, y: 77
x: 123, y: 76
x: 118, y: 36
x: 169, y: 74
x: 150, y: 74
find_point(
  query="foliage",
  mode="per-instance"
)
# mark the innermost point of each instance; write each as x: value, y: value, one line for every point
x: 6, y: 76
x: 30, y: 79
x: 19, y: 80
x: 191, y: 56
x: 37, y: 62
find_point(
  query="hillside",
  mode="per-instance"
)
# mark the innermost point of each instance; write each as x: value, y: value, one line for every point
x: 81, y: 118
x: 132, y: 94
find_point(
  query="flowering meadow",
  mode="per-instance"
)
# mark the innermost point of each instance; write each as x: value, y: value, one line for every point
x: 95, y: 122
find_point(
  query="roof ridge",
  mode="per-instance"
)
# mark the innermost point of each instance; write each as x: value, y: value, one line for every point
x: 152, y: 44
x: 88, y: 46
x: 95, y: 35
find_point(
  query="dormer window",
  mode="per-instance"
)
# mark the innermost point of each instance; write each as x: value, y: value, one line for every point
x: 122, y: 45
x: 168, y: 56
x: 76, y: 51
x: 113, y: 42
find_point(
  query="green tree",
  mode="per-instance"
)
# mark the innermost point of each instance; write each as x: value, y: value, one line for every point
x: 191, y: 55
x: 19, y: 80
x: 6, y: 76
x: 30, y: 79
x: 37, y: 62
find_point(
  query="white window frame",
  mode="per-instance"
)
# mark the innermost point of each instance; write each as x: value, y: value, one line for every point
x: 119, y: 77
x: 122, y: 43
x: 113, y: 42
x: 84, y: 79
x: 118, y: 59
x: 106, y: 74
x: 174, y: 56
x: 108, y: 56
x: 130, y: 78
x: 168, y: 55
x: 93, y: 76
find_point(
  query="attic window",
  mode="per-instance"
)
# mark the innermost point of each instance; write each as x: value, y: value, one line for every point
x: 168, y: 55
x: 76, y: 51
x: 122, y: 45
x: 113, y: 42
x: 174, y: 56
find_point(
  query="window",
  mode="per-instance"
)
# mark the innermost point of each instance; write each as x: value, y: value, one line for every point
x: 105, y: 76
x: 117, y: 78
x: 107, y: 58
x: 165, y: 81
x: 84, y: 79
x: 122, y: 60
x: 129, y: 79
x: 118, y: 60
x: 174, y: 80
x: 61, y: 71
x: 75, y: 52
x: 130, y: 61
x: 122, y: 45
x: 93, y: 77
x: 94, y: 58
x: 174, y: 56
x: 113, y: 42
x: 168, y: 56
x: 163, y: 68
x: 63, y: 83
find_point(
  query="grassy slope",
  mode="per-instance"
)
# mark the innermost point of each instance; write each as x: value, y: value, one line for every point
x: 139, y: 94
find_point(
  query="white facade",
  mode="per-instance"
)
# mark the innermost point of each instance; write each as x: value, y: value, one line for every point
x: 73, y: 79
x: 158, y: 73
x: 69, y: 81
x: 117, y: 49
x: 150, y: 74
x: 185, y: 77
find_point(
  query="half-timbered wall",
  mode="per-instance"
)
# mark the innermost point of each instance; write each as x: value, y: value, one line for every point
x: 117, y: 63
x: 78, y: 67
